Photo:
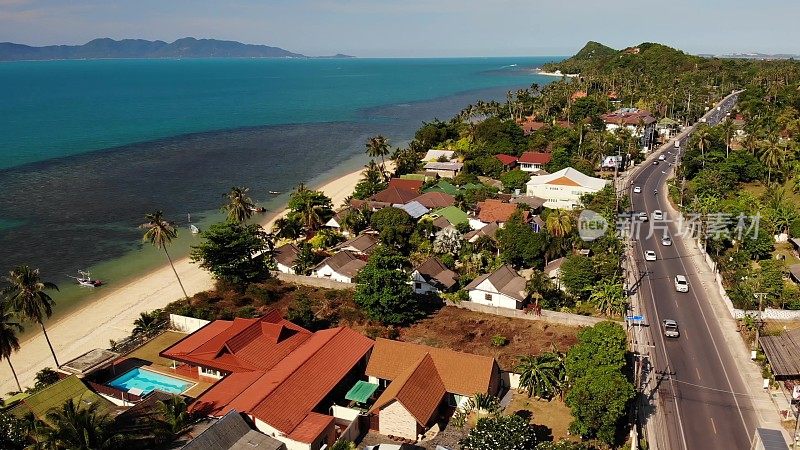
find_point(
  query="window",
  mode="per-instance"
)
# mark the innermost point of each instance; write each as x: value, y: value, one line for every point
x: 210, y: 372
x: 487, y: 297
x: 417, y: 285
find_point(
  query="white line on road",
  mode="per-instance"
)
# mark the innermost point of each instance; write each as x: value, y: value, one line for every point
x: 713, y: 427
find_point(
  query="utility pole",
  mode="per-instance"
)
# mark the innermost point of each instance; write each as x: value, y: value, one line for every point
x: 760, y: 296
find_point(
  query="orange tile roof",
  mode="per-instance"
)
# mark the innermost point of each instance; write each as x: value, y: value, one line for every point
x: 311, y: 427
x: 394, y: 195
x: 436, y: 200
x: 506, y: 159
x: 564, y: 181
x: 402, y: 183
x: 493, y: 210
x: 420, y: 390
x: 461, y: 373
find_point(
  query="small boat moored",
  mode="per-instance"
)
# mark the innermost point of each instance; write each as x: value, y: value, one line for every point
x: 85, y: 279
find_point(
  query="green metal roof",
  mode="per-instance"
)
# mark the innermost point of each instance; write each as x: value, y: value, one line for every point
x: 361, y: 392
x: 57, y: 394
x: 413, y: 176
x: 443, y: 186
x: 452, y: 214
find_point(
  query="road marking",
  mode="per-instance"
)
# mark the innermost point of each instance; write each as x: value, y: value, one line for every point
x: 713, y: 427
x: 698, y: 372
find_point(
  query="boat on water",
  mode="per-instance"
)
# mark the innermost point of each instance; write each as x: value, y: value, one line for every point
x: 258, y: 209
x: 275, y: 192
x: 194, y: 229
x: 85, y: 279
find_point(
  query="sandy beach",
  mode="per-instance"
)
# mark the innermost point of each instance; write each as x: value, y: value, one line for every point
x: 111, y: 316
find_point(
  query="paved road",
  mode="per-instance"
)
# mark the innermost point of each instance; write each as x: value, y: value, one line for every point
x: 698, y: 399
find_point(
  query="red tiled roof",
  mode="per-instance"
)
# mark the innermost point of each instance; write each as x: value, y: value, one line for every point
x: 420, y: 390
x: 311, y: 427
x: 394, y: 195
x: 401, y: 183
x: 506, y: 159
x: 578, y: 94
x: 628, y: 116
x: 535, y: 158
x: 493, y: 210
x: 436, y: 200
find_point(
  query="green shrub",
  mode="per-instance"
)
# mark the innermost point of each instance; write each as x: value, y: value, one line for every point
x: 498, y: 340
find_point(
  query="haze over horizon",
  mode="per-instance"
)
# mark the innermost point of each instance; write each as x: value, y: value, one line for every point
x: 415, y: 28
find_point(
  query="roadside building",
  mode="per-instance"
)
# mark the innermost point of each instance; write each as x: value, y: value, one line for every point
x: 563, y: 189
x: 503, y: 288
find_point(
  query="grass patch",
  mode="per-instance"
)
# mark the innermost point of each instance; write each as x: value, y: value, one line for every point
x: 554, y: 414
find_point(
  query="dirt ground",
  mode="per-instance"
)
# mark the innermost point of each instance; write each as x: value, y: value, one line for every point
x: 554, y: 414
x: 472, y: 332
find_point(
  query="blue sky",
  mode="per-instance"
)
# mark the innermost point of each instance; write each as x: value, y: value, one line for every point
x: 408, y: 28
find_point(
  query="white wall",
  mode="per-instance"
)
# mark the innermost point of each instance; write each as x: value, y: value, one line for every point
x: 326, y: 272
x: 395, y: 420
x: 270, y: 431
x: 342, y: 412
x: 530, y: 167
x: 557, y: 196
x: 478, y: 295
x: 186, y: 324
x: 284, y: 269
x: 425, y: 287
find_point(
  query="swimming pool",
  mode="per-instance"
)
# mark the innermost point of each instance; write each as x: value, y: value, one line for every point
x: 147, y: 381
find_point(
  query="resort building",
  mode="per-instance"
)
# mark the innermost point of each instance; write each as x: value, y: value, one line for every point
x: 393, y: 195
x: 444, y: 169
x: 285, y: 256
x: 639, y: 122
x: 424, y: 384
x: 503, y: 288
x: 342, y: 267
x: 563, y: 189
x: 533, y: 161
x: 283, y: 377
x: 432, y: 277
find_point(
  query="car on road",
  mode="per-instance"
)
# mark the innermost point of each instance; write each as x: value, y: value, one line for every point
x: 637, y: 190
x: 643, y: 216
x: 681, y: 283
x: 666, y: 241
x: 650, y: 255
x: 661, y: 157
x: 655, y: 163
x: 658, y: 215
x: 671, y: 328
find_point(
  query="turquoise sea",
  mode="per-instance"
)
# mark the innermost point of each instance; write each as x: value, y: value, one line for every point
x: 88, y: 147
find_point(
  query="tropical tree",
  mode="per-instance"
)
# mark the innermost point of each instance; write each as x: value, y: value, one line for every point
x: 448, y: 240
x: 235, y: 252
x: 287, y: 227
x: 728, y: 128
x: 772, y: 154
x: 9, y: 342
x: 26, y: 292
x: 702, y: 137
x: 239, y: 205
x: 501, y: 432
x: 542, y: 375
x: 74, y: 427
x: 608, y: 296
x: 305, y: 260
x: 147, y: 323
x: 173, y: 418
x: 559, y: 222
x: 160, y: 232
x: 310, y: 207
x: 379, y: 146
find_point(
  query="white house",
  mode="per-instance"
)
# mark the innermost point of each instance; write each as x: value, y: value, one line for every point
x: 534, y: 161
x: 436, y: 155
x: 553, y: 271
x: 563, y: 189
x: 503, y: 288
x: 432, y: 277
x: 335, y: 222
x: 285, y: 256
x: 342, y: 267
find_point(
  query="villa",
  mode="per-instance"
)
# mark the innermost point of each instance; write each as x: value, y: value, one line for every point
x: 361, y: 245
x: 563, y: 189
x: 533, y: 161
x: 342, y: 267
x: 503, y: 288
x: 433, y: 277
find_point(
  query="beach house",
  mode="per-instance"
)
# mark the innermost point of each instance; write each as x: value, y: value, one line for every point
x: 422, y: 384
x: 284, y: 378
x: 285, y: 256
x: 444, y: 169
x: 503, y: 288
x: 431, y: 276
x: 534, y: 161
x: 342, y: 267
x: 563, y: 189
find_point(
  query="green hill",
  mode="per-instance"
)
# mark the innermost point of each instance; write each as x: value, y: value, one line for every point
x: 595, y: 57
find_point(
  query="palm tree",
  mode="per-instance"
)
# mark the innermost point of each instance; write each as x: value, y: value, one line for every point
x: 703, y: 139
x: 239, y: 207
x: 559, y: 223
x: 9, y: 343
x: 287, y: 228
x: 378, y: 146
x: 608, y: 296
x: 174, y: 418
x: 728, y: 128
x: 27, y: 296
x: 160, y: 232
x: 146, y: 323
x: 305, y: 260
x: 309, y: 214
x: 79, y: 428
x: 542, y: 375
x: 772, y: 154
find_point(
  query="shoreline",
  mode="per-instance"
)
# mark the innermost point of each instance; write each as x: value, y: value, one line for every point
x: 557, y: 73
x: 111, y: 316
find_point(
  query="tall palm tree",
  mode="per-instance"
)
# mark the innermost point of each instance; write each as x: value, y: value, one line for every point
x: 28, y: 297
x: 609, y: 297
x: 160, y: 232
x: 559, y: 223
x: 728, y: 128
x: 174, y: 418
x: 703, y: 139
x: 542, y: 375
x: 239, y: 206
x: 9, y: 342
x: 772, y: 154
x: 80, y: 428
x: 310, y: 214
x: 379, y: 146
x: 287, y: 228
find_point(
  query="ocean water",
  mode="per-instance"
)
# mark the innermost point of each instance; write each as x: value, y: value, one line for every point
x: 88, y: 147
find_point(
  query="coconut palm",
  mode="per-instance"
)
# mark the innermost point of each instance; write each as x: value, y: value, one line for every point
x: 160, y: 232
x: 287, y: 228
x: 542, y: 375
x: 146, y: 323
x: 608, y: 296
x: 559, y: 223
x: 772, y: 154
x: 9, y: 342
x: 305, y: 260
x: 239, y: 207
x: 26, y: 293
x: 703, y: 138
x: 74, y: 427
x: 174, y: 418
x: 379, y: 146
x: 728, y: 128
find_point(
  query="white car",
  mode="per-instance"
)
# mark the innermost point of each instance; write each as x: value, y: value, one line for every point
x: 650, y: 255
x: 637, y: 190
x: 658, y: 215
x: 681, y: 284
x: 666, y: 241
x: 671, y: 328
x: 643, y: 217
x: 661, y: 157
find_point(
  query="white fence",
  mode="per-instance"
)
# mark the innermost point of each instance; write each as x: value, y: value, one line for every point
x: 574, y: 320
x: 186, y: 324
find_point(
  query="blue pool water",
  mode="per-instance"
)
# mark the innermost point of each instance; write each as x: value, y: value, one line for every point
x: 148, y: 381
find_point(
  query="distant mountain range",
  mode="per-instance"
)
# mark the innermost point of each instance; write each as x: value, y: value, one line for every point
x: 752, y: 56
x: 106, y: 48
